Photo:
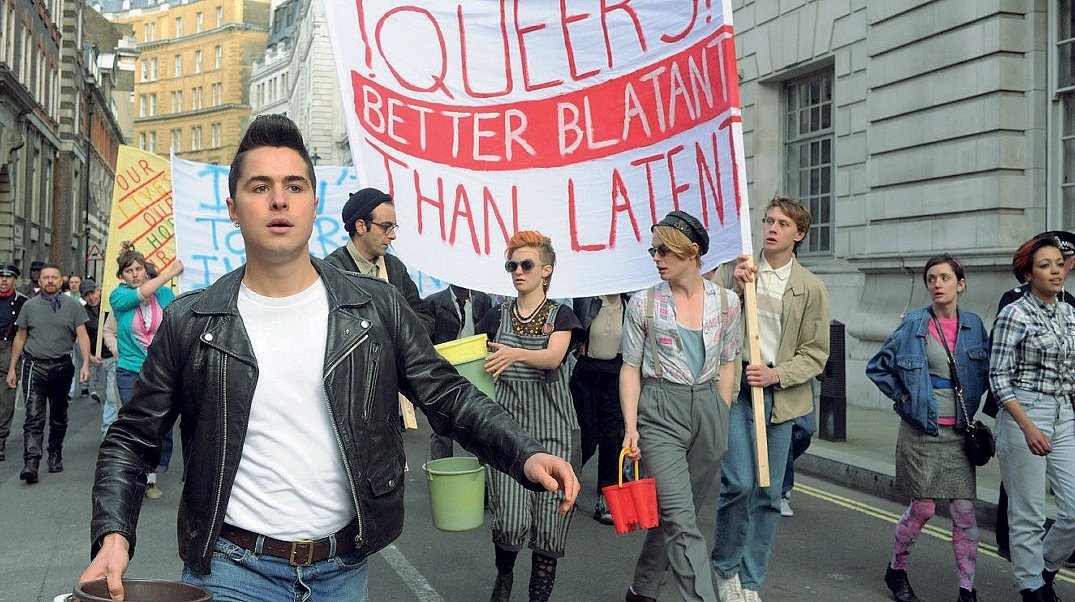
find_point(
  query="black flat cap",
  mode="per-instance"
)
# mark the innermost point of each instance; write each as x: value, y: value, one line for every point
x: 36, y: 265
x: 689, y: 226
x: 361, y: 203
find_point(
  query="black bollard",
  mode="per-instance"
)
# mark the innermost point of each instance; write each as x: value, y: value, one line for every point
x: 832, y: 413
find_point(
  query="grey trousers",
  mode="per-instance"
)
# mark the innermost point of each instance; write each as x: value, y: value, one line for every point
x: 683, y: 433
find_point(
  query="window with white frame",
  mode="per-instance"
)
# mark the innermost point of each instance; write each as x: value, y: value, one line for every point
x: 219, y: 57
x: 142, y: 141
x: 197, y: 61
x: 219, y: 16
x: 142, y: 104
x: 152, y: 142
x: 198, y: 23
x: 177, y: 141
x: 178, y: 26
x: 809, y: 157
x: 145, y: 70
x: 1064, y: 126
x: 196, y: 138
x: 196, y: 98
x: 153, y: 69
x: 217, y: 91
x: 179, y: 65
x: 214, y: 132
x: 152, y: 105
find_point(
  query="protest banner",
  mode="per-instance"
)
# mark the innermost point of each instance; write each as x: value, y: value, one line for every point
x: 210, y: 247
x: 141, y: 214
x: 586, y: 123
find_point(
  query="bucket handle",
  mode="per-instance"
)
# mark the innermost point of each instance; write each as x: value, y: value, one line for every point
x: 623, y: 454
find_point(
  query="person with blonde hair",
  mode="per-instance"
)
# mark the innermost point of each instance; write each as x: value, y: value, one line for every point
x: 530, y: 337
x: 681, y: 339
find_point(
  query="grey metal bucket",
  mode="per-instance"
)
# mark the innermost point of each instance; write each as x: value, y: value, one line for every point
x: 142, y: 590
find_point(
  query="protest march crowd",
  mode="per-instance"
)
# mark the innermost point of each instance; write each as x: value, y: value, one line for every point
x: 273, y: 508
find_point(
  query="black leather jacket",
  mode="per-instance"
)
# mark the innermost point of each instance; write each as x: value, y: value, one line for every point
x: 201, y: 367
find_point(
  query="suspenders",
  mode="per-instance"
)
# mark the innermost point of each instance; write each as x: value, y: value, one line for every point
x: 651, y: 328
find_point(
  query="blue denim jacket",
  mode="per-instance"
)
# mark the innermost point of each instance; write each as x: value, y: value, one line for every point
x: 899, y: 369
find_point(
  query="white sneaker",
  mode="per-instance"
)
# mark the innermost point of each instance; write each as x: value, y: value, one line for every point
x: 750, y: 595
x: 729, y: 589
x: 785, y: 508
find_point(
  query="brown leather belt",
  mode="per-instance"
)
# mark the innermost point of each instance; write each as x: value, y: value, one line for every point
x: 297, y: 553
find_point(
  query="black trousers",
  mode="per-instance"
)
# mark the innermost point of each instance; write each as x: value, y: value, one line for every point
x: 45, y: 383
x: 595, y: 389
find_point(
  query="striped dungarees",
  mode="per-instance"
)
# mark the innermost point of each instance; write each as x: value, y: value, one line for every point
x: 540, y: 401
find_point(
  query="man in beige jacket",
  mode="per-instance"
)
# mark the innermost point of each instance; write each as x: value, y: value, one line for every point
x: 793, y: 327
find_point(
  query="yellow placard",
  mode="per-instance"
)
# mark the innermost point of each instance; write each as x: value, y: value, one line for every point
x: 141, y: 214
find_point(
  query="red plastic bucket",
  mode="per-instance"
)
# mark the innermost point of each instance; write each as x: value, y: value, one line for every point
x: 633, y: 505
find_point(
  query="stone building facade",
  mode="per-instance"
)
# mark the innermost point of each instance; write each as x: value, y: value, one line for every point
x: 192, y: 75
x: 911, y: 128
x: 296, y: 77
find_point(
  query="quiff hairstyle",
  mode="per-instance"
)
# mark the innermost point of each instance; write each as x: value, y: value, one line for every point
x: 269, y: 130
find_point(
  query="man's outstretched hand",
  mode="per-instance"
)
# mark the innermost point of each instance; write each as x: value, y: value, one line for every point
x: 554, y: 474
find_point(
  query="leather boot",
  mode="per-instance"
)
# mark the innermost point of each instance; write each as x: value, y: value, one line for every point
x: 505, y: 574
x: 29, y: 472
x: 897, y: 583
x: 56, y: 461
x: 1047, y: 592
x: 542, y: 577
x: 967, y: 595
x: 1032, y: 595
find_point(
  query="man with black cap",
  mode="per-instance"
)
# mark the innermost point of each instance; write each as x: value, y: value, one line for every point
x: 102, y: 383
x: 11, y: 302
x: 370, y: 219
x: 793, y: 328
x: 32, y: 287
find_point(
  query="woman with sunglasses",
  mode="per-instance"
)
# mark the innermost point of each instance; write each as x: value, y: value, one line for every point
x: 1032, y: 375
x: 914, y: 368
x: 681, y: 339
x: 531, y: 336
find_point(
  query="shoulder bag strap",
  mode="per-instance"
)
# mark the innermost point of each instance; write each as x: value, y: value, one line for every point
x: 651, y: 331
x: 956, y: 387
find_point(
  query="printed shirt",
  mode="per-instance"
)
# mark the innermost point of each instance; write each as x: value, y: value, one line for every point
x: 723, y: 335
x: 1033, y: 349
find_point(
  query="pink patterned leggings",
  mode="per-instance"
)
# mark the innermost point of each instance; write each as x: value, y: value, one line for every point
x: 964, y: 535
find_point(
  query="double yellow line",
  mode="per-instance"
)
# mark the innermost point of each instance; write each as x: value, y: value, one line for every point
x: 890, y: 517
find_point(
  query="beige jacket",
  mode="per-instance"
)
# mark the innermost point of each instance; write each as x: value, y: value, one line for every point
x: 804, y: 342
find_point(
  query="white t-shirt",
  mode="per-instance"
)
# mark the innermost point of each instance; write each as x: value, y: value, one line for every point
x: 291, y: 483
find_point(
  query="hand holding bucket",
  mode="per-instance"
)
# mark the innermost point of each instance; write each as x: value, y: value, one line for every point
x: 633, y: 504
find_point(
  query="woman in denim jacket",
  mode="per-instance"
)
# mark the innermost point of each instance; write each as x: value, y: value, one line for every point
x: 912, y: 369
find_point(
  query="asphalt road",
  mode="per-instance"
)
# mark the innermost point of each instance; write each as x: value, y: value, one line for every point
x: 834, y: 548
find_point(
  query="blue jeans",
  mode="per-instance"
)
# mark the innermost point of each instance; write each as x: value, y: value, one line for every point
x: 747, y: 515
x: 125, y: 380
x: 103, y: 382
x: 1025, y: 476
x: 240, y: 575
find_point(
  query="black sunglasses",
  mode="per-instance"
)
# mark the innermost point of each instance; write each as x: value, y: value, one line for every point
x: 526, y: 265
x: 661, y: 250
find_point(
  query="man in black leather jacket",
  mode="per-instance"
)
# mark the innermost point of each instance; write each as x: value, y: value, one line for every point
x: 209, y: 364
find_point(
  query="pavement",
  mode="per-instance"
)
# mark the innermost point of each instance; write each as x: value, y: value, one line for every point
x: 45, y: 526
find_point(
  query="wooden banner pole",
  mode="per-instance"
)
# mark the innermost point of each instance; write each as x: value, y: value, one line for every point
x: 757, y: 397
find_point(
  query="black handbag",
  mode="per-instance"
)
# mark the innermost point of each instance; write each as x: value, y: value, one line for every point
x: 978, y: 440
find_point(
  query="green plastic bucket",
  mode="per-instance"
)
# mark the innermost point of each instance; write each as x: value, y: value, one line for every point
x: 456, y: 493
x: 467, y: 355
